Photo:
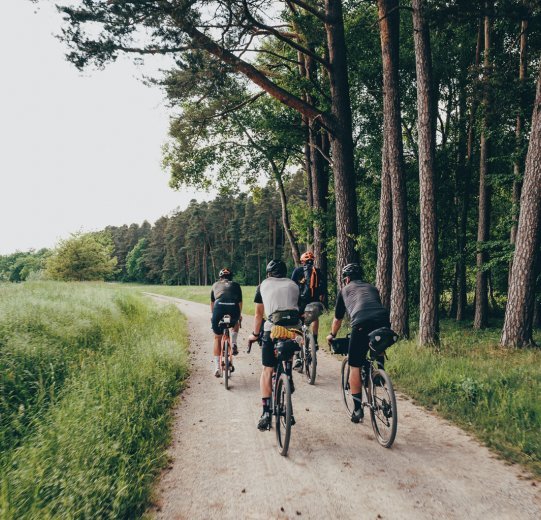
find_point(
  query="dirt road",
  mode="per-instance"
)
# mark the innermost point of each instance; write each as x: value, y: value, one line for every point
x: 223, y: 467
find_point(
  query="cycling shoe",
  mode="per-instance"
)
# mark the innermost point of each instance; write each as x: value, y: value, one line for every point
x: 264, y: 422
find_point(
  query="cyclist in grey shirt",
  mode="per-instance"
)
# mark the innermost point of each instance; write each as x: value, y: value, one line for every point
x: 275, y: 294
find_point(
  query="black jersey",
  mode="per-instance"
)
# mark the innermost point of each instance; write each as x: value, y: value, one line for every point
x: 227, y: 291
x: 361, y: 301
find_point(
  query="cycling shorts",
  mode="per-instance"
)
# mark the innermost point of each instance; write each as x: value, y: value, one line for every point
x: 221, y: 308
x: 358, y: 340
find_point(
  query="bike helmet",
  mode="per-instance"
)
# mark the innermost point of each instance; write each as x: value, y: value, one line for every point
x: 226, y: 273
x: 276, y: 268
x: 307, y: 257
x: 353, y: 271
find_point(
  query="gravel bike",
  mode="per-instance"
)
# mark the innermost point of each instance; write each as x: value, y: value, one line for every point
x: 282, y: 388
x: 377, y: 388
x: 226, y: 352
x: 308, y: 353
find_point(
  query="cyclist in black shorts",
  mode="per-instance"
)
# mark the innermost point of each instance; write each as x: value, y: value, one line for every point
x: 225, y: 298
x: 274, y: 296
x: 362, y: 303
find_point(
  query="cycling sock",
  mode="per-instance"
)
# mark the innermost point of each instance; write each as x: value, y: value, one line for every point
x: 265, y: 401
x: 357, y: 400
x: 217, y: 361
x: 315, y: 338
x: 234, y: 336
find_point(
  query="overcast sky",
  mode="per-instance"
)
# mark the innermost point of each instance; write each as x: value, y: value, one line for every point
x: 77, y: 151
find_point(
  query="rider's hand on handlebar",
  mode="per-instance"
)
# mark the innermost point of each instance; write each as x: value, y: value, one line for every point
x: 253, y: 338
x: 330, y: 337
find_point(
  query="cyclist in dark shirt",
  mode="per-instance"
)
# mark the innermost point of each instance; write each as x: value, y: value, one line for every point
x: 225, y: 298
x: 362, y: 303
x: 312, y: 286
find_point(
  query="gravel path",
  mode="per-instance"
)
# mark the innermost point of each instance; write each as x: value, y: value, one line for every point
x: 223, y: 467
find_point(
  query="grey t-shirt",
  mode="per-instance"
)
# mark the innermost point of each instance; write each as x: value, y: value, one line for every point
x: 361, y: 301
x: 277, y: 294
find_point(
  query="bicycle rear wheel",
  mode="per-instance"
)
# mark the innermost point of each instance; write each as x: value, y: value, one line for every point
x: 226, y: 363
x: 383, y: 412
x: 346, y: 392
x: 283, y: 412
x: 310, y: 355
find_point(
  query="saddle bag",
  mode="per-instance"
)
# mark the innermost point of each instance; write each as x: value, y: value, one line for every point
x: 285, y: 318
x: 380, y: 340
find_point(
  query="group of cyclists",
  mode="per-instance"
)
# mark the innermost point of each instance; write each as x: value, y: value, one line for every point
x: 282, y: 300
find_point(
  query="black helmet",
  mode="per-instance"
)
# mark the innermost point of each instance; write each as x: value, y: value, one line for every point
x: 226, y: 273
x: 276, y: 268
x: 353, y: 271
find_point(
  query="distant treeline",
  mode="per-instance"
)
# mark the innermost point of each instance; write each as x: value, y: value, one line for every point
x: 188, y: 247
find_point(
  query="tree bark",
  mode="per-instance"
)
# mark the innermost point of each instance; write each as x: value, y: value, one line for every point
x: 517, y: 179
x: 320, y: 187
x: 384, y: 269
x: 388, y: 13
x: 341, y: 140
x: 483, y: 229
x: 428, y: 303
x: 462, y: 290
x: 517, y: 330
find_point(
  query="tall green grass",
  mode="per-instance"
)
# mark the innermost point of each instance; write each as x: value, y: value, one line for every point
x: 89, y: 373
x: 492, y: 392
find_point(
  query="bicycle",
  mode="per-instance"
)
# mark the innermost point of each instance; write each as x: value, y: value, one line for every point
x: 226, y: 352
x: 281, y: 403
x: 308, y: 353
x: 377, y: 395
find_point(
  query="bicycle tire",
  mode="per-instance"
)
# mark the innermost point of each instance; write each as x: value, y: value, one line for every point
x: 383, y: 412
x: 283, y: 410
x: 311, y: 362
x: 346, y: 392
x: 226, y: 364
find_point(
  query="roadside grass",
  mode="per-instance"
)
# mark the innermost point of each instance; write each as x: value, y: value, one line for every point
x: 493, y: 393
x: 88, y: 375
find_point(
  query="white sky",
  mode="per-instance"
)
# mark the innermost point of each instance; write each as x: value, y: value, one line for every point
x: 77, y: 151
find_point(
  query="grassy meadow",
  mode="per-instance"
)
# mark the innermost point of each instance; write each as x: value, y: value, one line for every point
x: 88, y: 374
x: 491, y: 392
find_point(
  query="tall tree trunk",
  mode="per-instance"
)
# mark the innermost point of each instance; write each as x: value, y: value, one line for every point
x: 285, y: 219
x: 483, y: 229
x: 388, y: 13
x: 320, y: 187
x: 342, y: 140
x: 517, y: 179
x: 428, y: 303
x: 517, y: 330
x: 384, y: 269
x: 462, y: 290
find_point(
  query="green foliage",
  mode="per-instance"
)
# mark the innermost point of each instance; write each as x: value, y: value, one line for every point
x: 135, y: 262
x: 89, y: 373
x: 493, y: 393
x: 20, y: 266
x: 83, y: 257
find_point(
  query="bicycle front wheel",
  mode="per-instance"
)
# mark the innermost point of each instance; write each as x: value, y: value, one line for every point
x: 383, y: 412
x: 283, y: 413
x: 226, y: 364
x: 311, y: 358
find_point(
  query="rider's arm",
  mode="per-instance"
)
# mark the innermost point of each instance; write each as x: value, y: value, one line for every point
x: 212, y: 300
x: 258, y: 319
x: 339, y: 313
